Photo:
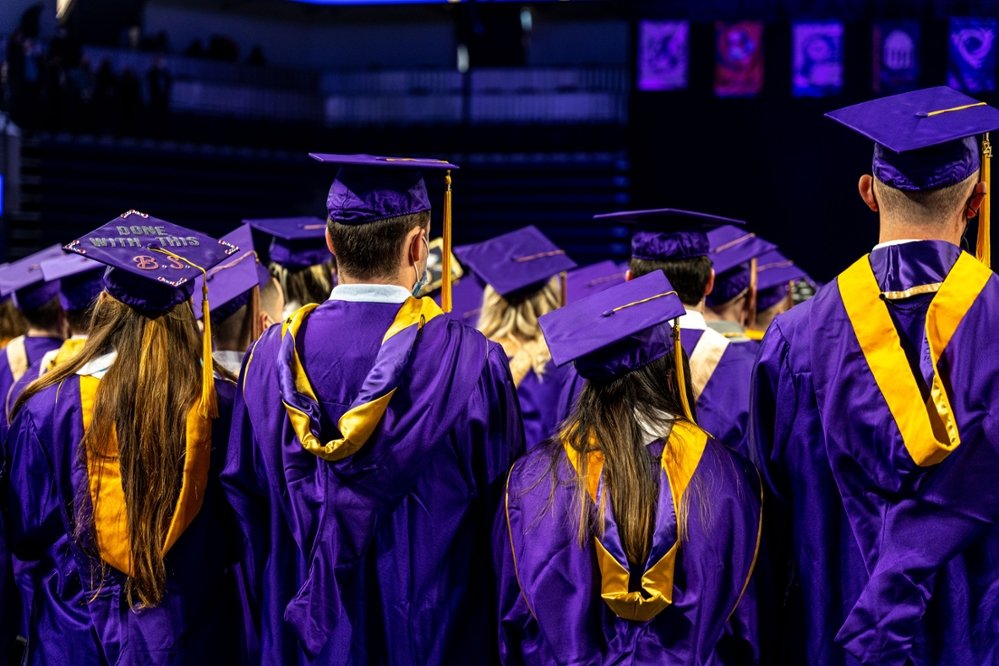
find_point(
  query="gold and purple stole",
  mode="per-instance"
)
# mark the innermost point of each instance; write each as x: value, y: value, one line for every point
x: 68, y: 351
x: 680, y: 459
x: 359, y: 422
x: 929, y: 428
x: 107, y: 495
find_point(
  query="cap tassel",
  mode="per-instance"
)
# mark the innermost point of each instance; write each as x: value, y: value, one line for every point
x: 983, y: 248
x: 563, y: 280
x: 209, y: 405
x: 751, y: 305
x: 681, y: 376
x: 446, y: 259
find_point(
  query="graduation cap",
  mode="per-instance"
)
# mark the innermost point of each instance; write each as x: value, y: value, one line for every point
x: 516, y: 261
x: 23, y: 280
x: 775, y: 274
x: 733, y: 256
x: 620, y: 329
x: 292, y: 242
x: 928, y: 139
x: 369, y: 188
x: 80, y: 279
x: 167, y: 258
x: 592, y: 279
x: 466, y: 299
x: 665, y: 234
x: 232, y: 281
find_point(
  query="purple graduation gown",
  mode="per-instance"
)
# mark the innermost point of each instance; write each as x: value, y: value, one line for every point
x: 551, y: 610
x: 35, y: 347
x: 871, y: 558
x: 539, y: 402
x: 74, y: 615
x: 382, y: 557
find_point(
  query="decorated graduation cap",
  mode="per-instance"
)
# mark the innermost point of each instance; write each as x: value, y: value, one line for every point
x: 733, y: 256
x: 775, y: 275
x: 292, y: 242
x: 516, y: 261
x: 370, y: 188
x: 928, y: 139
x: 232, y: 280
x: 152, y: 267
x: 618, y: 330
x: 664, y: 234
x: 80, y: 279
x: 23, y: 280
x: 592, y: 279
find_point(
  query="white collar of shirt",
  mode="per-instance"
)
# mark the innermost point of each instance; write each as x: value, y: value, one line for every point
x: 693, y: 320
x: 98, y: 367
x: 229, y: 359
x: 895, y: 242
x: 370, y: 293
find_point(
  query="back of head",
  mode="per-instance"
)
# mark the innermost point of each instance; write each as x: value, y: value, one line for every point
x: 46, y: 317
x: 689, y: 277
x: 272, y: 300
x: 12, y: 322
x: 304, y: 285
x: 142, y: 403
x: 928, y: 209
x: 373, y: 251
x: 513, y: 322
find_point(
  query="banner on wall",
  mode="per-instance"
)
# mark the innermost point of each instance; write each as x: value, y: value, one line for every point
x: 972, y: 54
x: 896, y: 56
x: 817, y: 58
x: 663, y: 55
x: 738, y: 58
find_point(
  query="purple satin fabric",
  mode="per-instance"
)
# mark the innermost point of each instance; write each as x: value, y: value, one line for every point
x: 35, y: 347
x: 728, y: 285
x: 73, y: 614
x: 35, y: 296
x: 927, y: 168
x: 149, y: 297
x: 889, y: 563
x: 661, y: 246
x: 539, y: 399
x: 360, y: 195
x: 550, y: 605
x: 381, y: 557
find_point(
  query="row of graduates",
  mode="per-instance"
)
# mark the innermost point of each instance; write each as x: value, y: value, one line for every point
x: 385, y: 485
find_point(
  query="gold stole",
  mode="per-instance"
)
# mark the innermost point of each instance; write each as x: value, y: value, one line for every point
x: 687, y: 443
x: 928, y: 427
x: 69, y: 349
x: 17, y: 357
x: 108, y: 496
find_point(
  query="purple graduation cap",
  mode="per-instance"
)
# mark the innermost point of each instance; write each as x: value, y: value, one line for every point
x: 81, y: 280
x: 927, y: 139
x: 466, y: 298
x: 775, y: 273
x: 370, y: 188
x: 665, y: 234
x: 24, y: 281
x: 292, y: 242
x: 515, y: 262
x: 592, y: 279
x: 232, y: 281
x: 732, y: 252
x: 617, y: 330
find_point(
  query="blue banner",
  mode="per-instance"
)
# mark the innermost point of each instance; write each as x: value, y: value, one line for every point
x: 972, y: 61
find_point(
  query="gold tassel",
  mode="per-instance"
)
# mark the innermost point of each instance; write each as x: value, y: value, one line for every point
x: 563, y: 279
x: 681, y: 376
x: 983, y: 248
x: 446, y: 259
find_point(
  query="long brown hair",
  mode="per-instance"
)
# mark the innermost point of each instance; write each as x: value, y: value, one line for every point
x: 306, y: 285
x: 144, y: 400
x: 614, y: 418
x: 513, y: 322
x: 12, y: 322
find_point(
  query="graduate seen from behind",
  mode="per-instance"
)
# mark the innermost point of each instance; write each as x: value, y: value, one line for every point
x: 366, y: 471
x: 112, y: 465
x: 294, y: 250
x: 731, y: 306
x: 631, y: 537
x: 875, y: 422
x: 524, y: 275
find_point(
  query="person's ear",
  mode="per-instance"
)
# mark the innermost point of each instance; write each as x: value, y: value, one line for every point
x: 329, y: 241
x: 710, y: 286
x: 265, y: 321
x: 866, y: 189
x: 628, y: 276
x: 977, y: 198
x: 414, y: 246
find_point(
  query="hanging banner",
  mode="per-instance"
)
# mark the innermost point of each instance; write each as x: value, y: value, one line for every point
x: 663, y: 55
x: 896, y: 56
x: 972, y: 54
x: 817, y: 59
x: 738, y: 58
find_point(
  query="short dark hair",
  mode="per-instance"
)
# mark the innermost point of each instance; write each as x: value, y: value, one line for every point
x: 79, y: 320
x: 689, y: 277
x: 372, y: 250
x: 44, y: 316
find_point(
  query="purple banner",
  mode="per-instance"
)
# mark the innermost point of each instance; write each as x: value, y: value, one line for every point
x: 972, y: 61
x: 663, y: 55
x: 738, y: 59
x: 817, y: 59
x: 896, y: 56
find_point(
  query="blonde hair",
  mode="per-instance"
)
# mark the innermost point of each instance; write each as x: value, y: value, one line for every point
x: 306, y: 285
x: 513, y: 323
